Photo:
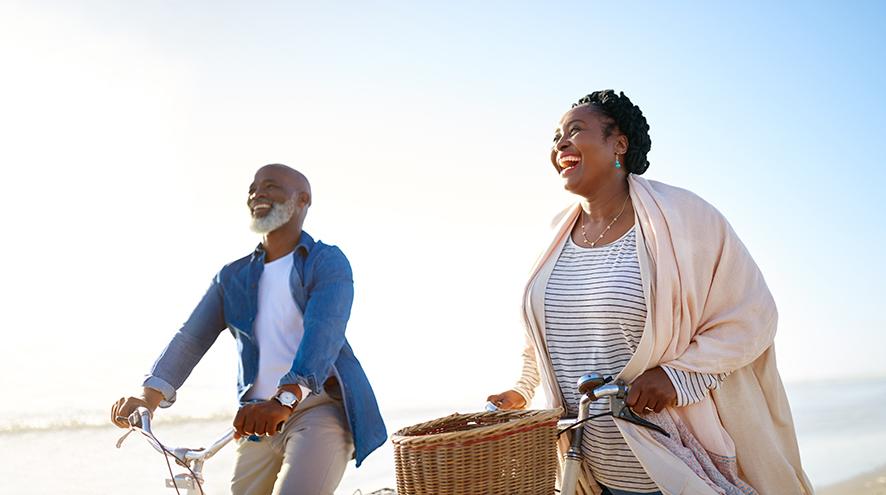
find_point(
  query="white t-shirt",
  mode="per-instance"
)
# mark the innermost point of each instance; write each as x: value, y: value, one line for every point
x: 278, y: 329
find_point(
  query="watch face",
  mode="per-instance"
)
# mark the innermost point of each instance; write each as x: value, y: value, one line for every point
x: 287, y: 398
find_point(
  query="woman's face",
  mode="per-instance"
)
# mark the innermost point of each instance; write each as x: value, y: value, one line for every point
x: 582, y: 155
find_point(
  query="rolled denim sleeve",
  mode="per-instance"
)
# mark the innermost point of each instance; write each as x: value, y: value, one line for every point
x: 188, y: 345
x: 326, y: 315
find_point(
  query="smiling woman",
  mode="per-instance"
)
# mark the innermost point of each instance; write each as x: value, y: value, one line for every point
x: 649, y: 284
x: 589, y: 148
x: 606, y: 114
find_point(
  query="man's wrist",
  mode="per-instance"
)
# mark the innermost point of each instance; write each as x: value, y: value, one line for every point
x: 152, y: 397
x: 286, y: 398
x: 292, y: 387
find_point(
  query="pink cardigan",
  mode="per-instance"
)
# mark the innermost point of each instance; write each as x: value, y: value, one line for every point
x: 708, y: 310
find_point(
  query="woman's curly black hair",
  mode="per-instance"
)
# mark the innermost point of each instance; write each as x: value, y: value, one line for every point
x: 629, y: 119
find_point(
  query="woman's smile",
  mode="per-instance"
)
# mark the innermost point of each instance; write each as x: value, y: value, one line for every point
x: 568, y: 162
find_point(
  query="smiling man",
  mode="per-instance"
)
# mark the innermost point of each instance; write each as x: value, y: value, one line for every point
x: 306, y: 405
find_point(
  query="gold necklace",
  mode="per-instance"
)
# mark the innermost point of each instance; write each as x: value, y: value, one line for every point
x: 584, y: 234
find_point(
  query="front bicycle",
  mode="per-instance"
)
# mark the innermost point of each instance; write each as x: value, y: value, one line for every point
x: 592, y: 387
x: 191, y: 459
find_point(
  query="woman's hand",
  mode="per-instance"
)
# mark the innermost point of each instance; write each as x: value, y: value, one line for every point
x: 508, y: 400
x: 652, y: 390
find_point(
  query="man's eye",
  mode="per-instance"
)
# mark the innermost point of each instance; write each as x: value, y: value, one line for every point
x: 556, y: 137
x: 574, y: 131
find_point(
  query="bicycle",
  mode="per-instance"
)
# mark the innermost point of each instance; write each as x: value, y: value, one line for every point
x: 592, y: 386
x: 191, y: 459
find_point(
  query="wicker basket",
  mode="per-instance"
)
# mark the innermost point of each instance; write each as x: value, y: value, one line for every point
x: 512, y: 452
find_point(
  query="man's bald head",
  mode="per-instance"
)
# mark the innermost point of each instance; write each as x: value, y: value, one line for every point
x: 291, y: 176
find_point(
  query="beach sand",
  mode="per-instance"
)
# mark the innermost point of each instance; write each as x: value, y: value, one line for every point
x: 870, y: 483
x: 837, y: 441
x: 84, y: 462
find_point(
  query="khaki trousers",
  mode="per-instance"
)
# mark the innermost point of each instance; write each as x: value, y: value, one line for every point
x: 307, y: 458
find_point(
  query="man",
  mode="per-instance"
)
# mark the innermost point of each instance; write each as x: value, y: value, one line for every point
x: 306, y: 405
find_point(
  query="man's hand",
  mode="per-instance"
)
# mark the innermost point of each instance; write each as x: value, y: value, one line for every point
x: 260, y: 418
x: 121, y: 409
x: 508, y: 400
x: 652, y: 390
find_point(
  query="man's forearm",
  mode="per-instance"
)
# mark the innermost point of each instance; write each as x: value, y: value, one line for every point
x: 188, y: 345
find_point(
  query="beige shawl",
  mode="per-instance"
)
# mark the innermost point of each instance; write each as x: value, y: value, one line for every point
x: 708, y: 310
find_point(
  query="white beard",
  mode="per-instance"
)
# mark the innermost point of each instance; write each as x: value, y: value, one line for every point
x: 280, y: 215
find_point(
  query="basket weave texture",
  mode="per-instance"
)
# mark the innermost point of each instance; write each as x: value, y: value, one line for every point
x: 508, y: 452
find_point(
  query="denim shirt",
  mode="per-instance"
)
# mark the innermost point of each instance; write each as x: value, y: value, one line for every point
x: 322, y: 286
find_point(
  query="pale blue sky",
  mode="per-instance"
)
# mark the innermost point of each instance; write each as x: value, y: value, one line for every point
x: 131, y: 131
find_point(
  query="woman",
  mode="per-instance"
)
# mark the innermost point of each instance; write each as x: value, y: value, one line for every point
x: 648, y: 283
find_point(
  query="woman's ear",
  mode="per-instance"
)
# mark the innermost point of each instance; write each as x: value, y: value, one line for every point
x: 621, y: 144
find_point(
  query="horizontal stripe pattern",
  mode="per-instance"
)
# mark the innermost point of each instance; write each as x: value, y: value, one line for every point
x: 691, y: 386
x: 595, y: 312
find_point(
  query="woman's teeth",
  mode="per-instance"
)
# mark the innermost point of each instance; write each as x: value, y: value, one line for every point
x: 568, y: 162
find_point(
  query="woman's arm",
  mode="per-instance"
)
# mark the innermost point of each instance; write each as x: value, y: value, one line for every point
x: 521, y: 395
x: 529, y: 377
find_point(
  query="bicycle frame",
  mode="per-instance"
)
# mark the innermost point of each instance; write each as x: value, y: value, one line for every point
x: 592, y: 386
x: 192, y: 459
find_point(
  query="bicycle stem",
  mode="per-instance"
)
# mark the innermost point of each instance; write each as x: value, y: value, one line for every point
x: 573, y: 457
x: 583, y: 412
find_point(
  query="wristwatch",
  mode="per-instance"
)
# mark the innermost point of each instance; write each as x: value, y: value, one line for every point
x: 287, y: 398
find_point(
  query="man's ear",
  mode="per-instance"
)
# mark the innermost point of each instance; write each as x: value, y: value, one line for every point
x: 304, y: 199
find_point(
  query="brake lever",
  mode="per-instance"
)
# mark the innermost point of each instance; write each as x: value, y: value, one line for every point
x: 120, y: 441
x: 134, y: 422
x: 619, y: 409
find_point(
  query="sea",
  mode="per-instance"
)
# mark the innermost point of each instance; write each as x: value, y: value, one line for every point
x: 841, y: 427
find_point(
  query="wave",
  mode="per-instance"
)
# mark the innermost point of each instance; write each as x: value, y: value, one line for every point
x: 40, y: 425
x: 80, y: 419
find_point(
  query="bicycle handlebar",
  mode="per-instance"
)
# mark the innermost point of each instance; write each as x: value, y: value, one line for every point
x: 140, y: 419
x: 618, y: 389
x: 594, y: 386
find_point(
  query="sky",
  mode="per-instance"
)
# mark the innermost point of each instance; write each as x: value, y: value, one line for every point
x: 131, y: 130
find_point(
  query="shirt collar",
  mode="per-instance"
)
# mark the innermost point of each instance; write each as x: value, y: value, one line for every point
x: 304, y: 246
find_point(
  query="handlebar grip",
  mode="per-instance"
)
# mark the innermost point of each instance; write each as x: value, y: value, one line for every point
x: 135, y: 419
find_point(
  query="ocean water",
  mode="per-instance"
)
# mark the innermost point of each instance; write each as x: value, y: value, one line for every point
x: 841, y: 426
